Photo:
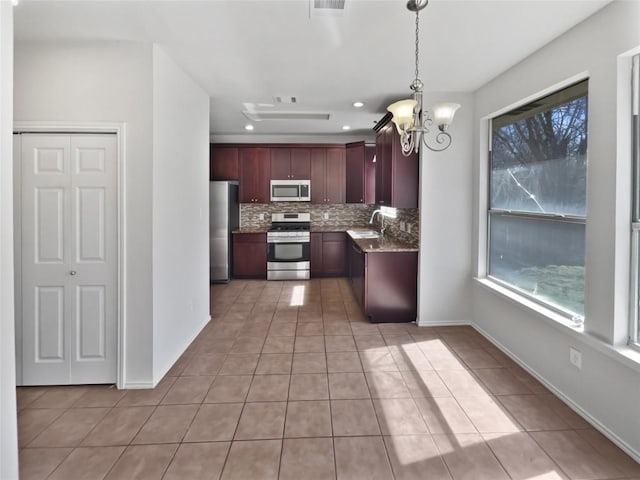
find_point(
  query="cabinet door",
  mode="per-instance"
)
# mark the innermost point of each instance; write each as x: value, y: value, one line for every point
x: 248, y: 178
x: 280, y: 163
x: 405, y: 173
x: 263, y: 170
x: 383, y: 165
x: 355, y: 172
x: 370, y: 174
x: 357, y: 272
x: 250, y: 255
x: 318, y: 156
x: 223, y: 163
x: 301, y: 163
x: 316, y: 254
x: 335, y: 176
x: 391, y: 275
x: 334, y: 253
x: 254, y: 175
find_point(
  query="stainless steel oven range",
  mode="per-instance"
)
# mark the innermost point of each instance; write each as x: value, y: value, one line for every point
x: 288, y: 242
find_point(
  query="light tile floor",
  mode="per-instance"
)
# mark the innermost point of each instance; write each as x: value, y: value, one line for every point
x: 289, y: 381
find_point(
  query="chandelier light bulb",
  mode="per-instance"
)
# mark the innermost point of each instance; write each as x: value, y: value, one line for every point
x: 443, y: 114
x: 403, y: 112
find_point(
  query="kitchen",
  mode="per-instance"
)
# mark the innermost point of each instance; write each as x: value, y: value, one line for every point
x: 311, y: 210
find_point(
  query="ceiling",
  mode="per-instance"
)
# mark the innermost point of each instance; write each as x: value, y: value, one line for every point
x: 243, y: 53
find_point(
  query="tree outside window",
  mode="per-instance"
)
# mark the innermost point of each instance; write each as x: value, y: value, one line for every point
x: 538, y: 199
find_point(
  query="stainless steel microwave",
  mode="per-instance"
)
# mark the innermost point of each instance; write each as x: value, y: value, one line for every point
x: 290, y: 190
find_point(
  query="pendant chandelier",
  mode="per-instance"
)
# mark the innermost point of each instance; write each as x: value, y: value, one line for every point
x: 413, y: 123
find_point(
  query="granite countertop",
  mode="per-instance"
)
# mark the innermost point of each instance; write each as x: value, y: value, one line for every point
x: 333, y: 228
x: 387, y: 244
x: 314, y: 229
x: 251, y: 230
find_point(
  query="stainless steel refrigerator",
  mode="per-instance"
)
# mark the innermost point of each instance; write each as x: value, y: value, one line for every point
x: 224, y: 217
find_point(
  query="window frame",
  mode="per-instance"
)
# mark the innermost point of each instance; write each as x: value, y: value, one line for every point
x: 576, y: 319
x: 634, y: 297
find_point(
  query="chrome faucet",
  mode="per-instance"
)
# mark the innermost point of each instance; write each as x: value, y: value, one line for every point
x: 381, y: 221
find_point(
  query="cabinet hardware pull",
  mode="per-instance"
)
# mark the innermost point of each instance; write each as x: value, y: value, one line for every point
x: 73, y: 272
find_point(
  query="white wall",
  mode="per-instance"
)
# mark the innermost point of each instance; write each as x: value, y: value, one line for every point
x: 8, y: 426
x: 607, y: 389
x: 446, y: 201
x: 180, y: 211
x: 105, y: 82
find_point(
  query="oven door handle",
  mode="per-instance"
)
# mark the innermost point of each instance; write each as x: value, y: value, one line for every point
x: 287, y: 240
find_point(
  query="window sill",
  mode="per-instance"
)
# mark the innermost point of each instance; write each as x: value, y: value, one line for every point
x: 624, y: 354
x: 529, y: 305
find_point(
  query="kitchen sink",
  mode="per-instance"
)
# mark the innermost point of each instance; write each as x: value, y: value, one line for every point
x: 362, y: 234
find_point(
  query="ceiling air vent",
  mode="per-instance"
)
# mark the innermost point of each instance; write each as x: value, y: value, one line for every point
x: 285, y: 99
x: 261, y: 116
x: 326, y: 8
x: 329, y: 4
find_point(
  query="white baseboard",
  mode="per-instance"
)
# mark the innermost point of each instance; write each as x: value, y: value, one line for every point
x: 558, y: 393
x: 444, y: 323
x: 138, y: 385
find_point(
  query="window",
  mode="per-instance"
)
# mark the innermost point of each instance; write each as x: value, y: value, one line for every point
x: 537, y: 200
x: 634, y: 335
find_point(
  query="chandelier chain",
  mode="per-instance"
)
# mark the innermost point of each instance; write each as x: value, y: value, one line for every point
x: 417, y: 42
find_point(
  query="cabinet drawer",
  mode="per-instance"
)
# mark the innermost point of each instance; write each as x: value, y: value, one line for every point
x: 334, y: 237
x: 250, y: 238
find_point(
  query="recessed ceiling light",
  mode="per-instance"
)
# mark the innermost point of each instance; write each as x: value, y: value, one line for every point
x: 358, y: 104
x: 248, y: 127
x: 346, y: 127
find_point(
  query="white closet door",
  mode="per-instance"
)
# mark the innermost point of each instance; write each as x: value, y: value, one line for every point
x: 69, y: 259
x: 46, y: 184
x: 94, y: 253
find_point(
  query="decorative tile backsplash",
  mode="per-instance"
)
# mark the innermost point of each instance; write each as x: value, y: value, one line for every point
x: 411, y: 219
x: 352, y: 215
x: 340, y: 215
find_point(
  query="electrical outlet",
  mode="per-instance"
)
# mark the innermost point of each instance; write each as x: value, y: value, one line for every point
x: 575, y: 357
x: 261, y: 216
x: 326, y: 216
x: 402, y: 226
x: 408, y: 228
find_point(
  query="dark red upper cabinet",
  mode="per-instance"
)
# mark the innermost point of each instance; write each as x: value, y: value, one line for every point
x: 301, y: 163
x: 290, y: 163
x: 318, y: 175
x: 335, y: 176
x: 223, y: 163
x: 397, y: 176
x: 254, y: 175
x: 355, y: 172
x: 280, y: 163
x: 327, y: 175
x: 370, y: 174
x: 360, y: 173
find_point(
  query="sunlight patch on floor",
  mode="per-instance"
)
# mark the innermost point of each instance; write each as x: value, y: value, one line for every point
x: 297, y: 296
